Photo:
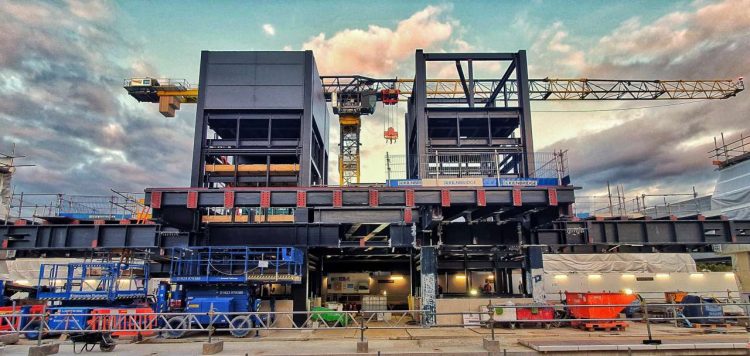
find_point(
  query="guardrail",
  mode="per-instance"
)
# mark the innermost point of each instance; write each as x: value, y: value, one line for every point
x: 53, y: 321
x: 479, y: 164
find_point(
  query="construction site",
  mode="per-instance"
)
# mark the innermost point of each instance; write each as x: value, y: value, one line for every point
x: 474, y: 244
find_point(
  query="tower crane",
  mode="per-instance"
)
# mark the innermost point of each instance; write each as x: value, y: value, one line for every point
x: 353, y: 96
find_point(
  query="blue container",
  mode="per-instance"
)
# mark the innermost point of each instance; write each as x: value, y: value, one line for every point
x: 69, y: 318
x: 707, y: 313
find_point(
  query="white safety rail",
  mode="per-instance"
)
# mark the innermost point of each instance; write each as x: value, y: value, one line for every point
x: 480, y: 165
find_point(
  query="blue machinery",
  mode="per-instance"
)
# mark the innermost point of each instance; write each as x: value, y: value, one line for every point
x: 237, y: 264
x: 93, y: 281
x: 227, y: 280
x: 222, y: 280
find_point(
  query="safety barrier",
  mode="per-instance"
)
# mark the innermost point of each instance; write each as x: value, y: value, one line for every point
x: 124, y: 321
x: 141, y: 322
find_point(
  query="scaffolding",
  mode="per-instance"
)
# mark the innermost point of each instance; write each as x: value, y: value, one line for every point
x: 37, y: 207
x: 726, y: 154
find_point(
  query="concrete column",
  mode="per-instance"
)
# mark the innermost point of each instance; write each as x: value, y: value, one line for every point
x: 534, y: 274
x: 428, y: 272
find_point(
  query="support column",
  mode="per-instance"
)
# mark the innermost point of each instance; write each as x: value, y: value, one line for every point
x: 300, y: 293
x: 522, y: 80
x: 428, y: 272
x: 534, y: 274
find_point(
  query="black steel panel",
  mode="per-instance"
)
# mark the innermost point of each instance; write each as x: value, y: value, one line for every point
x: 356, y: 198
x: 41, y: 237
x: 174, y: 198
x: 363, y: 216
x: 245, y: 199
x: 566, y: 196
x: 255, y: 57
x: 535, y: 196
x: 212, y: 199
x: 312, y: 235
x: 644, y: 232
x: 283, y: 198
x: 391, y: 198
x: 480, y: 234
x: 401, y: 235
x: 319, y: 198
x: 463, y: 197
x: 499, y: 196
x: 427, y: 197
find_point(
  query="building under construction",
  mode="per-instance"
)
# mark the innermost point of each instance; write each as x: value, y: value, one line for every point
x: 476, y: 203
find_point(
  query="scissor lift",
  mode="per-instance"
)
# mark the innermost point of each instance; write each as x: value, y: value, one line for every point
x: 226, y: 280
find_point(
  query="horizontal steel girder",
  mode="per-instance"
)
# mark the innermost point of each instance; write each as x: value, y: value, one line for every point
x: 31, y: 237
x: 644, y: 232
x: 352, y: 197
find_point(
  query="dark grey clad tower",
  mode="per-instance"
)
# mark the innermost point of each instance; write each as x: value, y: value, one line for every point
x: 261, y: 121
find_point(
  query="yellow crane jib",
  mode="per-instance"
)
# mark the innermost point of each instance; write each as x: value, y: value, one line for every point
x: 168, y: 93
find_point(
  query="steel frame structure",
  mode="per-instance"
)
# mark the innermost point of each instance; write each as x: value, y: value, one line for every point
x: 243, y: 96
x: 429, y: 122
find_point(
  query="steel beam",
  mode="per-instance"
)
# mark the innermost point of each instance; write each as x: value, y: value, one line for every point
x: 644, y: 233
x: 72, y: 237
x: 323, y: 197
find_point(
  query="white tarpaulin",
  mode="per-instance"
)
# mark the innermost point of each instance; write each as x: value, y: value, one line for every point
x: 732, y: 192
x: 619, y: 262
x: 26, y: 269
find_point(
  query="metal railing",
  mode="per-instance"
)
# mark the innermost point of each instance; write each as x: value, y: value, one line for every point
x: 170, y: 325
x: 479, y: 165
x: 724, y: 152
x: 34, y: 206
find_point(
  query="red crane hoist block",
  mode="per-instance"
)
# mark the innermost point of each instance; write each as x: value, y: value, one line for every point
x: 390, y: 135
x: 389, y: 96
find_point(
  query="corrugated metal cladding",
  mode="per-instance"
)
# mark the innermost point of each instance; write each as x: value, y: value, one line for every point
x: 255, y: 80
x: 261, y: 109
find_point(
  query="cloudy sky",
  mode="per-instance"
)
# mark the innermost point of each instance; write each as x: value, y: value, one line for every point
x: 62, y: 64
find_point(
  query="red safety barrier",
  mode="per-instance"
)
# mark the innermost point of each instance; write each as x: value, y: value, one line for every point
x: 533, y: 312
x: 130, y: 321
x: 14, y: 322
